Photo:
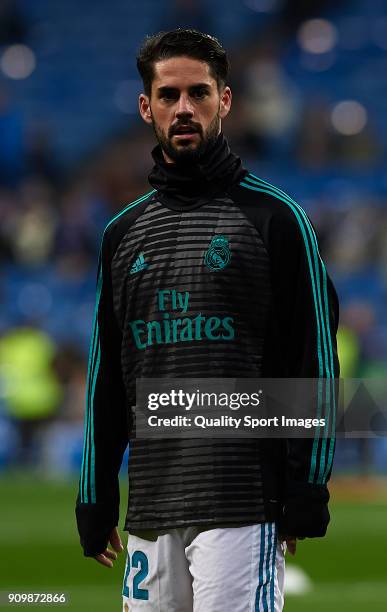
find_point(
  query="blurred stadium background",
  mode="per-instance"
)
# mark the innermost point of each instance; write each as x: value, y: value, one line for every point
x: 309, y: 114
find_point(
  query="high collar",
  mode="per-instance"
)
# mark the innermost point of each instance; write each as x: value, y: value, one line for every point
x: 185, y: 186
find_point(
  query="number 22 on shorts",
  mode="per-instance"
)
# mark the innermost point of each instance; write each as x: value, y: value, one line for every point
x: 139, y: 560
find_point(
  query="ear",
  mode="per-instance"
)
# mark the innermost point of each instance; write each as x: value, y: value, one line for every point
x: 225, y: 102
x: 144, y: 108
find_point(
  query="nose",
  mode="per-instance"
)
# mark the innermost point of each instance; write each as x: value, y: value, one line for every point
x: 184, y: 107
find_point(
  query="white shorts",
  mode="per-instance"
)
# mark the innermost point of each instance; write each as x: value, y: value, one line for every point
x: 227, y: 569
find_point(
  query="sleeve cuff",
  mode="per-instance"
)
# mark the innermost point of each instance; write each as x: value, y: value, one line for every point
x: 305, y: 511
x: 95, y: 523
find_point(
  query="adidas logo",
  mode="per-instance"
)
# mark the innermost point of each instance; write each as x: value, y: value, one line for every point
x: 139, y: 264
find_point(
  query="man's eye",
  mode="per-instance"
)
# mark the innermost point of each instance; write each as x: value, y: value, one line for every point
x: 200, y: 93
x: 168, y: 96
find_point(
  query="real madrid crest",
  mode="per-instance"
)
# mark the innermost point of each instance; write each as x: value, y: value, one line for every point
x: 218, y: 254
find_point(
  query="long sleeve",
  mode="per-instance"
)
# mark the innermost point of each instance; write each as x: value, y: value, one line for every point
x: 106, y: 431
x: 302, y: 344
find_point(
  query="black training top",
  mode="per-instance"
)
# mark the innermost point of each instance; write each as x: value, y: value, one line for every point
x: 215, y: 273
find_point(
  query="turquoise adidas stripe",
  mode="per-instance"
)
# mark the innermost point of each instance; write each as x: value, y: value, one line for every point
x: 323, y: 475
x: 273, y: 570
x: 303, y: 221
x: 87, y: 480
x: 264, y: 594
x: 92, y: 374
x: 268, y: 576
x: 319, y: 311
x: 94, y: 341
x: 260, y: 566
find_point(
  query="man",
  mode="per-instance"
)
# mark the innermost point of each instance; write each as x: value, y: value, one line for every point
x: 207, y: 518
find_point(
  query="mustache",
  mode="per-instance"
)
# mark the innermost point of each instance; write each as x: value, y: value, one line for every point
x: 188, y: 124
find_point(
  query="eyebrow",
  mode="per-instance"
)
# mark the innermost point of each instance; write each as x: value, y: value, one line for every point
x: 170, y: 88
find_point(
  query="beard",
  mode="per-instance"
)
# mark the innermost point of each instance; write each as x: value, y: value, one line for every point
x: 191, y: 152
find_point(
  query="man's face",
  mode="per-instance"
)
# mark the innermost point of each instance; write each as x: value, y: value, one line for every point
x: 185, y: 107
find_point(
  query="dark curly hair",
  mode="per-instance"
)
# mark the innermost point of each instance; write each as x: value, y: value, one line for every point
x: 182, y: 42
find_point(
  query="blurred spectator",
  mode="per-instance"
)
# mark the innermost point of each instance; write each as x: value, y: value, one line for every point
x: 313, y: 139
x: 271, y: 103
x: 70, y: 365
x: 32, y: 223
x: 62, y: 441
x: 353, y: 242
x: 75, y: 243
x: 32, y: 392
x: 349, y: 352
x: 362, y: 149
x: 41, y: 157
x: 359, y: 316
x: 119, y: 172
x: 318, y: 144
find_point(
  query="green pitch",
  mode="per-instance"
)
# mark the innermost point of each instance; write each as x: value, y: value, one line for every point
x: 40, y: 552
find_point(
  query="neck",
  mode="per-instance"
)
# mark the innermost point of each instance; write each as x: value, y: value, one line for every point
x: 189, y: 183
